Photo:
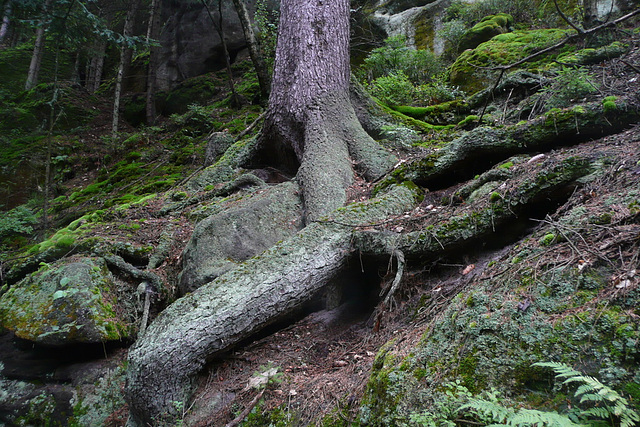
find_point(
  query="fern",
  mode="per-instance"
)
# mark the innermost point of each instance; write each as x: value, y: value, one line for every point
x: 499, y: 415
x: 488, y: 410
x: 592, y: 390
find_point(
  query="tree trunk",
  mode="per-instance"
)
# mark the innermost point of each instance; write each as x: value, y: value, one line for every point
x: 153, y: 30
x: 254, y: 49
x: 311, y: 121
x: 125, y: 57
x: 38, y: 50
x: 6, y: 19
x: 220, y: 314
x: 225, y: 51
x: 96, y: 65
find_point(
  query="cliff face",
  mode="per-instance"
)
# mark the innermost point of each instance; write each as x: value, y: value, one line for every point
x: 190, y: 43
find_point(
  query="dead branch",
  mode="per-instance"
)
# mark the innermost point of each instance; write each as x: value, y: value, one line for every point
x: 237, y: 420
x: 564, y: 41
x: 566, y: 19
x: 396, y: 282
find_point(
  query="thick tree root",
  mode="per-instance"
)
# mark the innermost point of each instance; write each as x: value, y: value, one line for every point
x: 234, y: 306
x: 550, y: 181
x: 483, y: 147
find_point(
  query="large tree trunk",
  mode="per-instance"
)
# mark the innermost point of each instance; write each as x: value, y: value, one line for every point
x: 311, y: 121
x: 38, y: 50
x: 254, y: 49
x: 221, y: 313
x: 125, y: 58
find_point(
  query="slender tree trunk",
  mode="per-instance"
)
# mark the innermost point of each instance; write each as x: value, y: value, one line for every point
x: 38, y: 50
x: 311, y: 121
x: 125, y: 57
x: 6, y: 19
x: 254, y: 49
x: 220, y: 30
x: 153, y: 31
x: 96, y: 66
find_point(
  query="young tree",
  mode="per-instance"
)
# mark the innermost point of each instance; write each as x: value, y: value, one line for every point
x: 38, y: 49
x: 153, y: 31
x: 254, y: 49
x: 125, y: 58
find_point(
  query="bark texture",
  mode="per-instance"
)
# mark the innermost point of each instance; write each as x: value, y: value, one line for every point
x: 38, y: 50
x: 125, y: 58
x: 234, y: 306
x: 254, y: 49
x: 6, y: 19
x: 311, y: 121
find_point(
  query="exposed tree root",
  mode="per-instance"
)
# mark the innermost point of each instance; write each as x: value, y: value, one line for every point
x: 234, y: 306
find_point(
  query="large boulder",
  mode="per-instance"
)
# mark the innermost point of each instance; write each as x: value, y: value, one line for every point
x: 190, y: 45
x: 486, y: 29
x: 223, y: 240
x: 75, y: 300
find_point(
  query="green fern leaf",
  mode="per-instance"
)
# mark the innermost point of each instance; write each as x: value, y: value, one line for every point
x: 629, y: 419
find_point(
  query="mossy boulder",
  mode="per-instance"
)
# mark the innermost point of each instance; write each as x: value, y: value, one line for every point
x: 471, y: 70
x: 225, y: 239
x: 75, y: 300
x: 486, y: 29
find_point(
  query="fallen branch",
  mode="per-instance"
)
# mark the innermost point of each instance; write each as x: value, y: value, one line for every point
x: 579, y: 34
x: 237, y: 420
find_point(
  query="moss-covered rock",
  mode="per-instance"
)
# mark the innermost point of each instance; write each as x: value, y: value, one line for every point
x: 250, y: 226
x: 594, y: 55
x: 470, y: 71
x: 487, y: 28
x: 72, y: 301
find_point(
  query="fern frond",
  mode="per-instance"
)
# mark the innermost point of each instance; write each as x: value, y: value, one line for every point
x: 561, y: 370
x: 494, y: 411
x: 629, y: 419
x: 533, y: 417
x: 597, y: 412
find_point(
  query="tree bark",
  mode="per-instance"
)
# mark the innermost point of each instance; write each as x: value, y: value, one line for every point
x: 236, y: 305
x: 38, y: 50
x: 153, y: 30
x: 254, y: 49
x: 311, y: 122
x: 125, y: 57
x: 6, y: 19
x: 96, y: 65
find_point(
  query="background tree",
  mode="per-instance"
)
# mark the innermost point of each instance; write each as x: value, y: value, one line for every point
x: 125, y: 58
x: 6, y: 18
x: 254, y: 49
x: 153, y: 32
x: 38, y: 48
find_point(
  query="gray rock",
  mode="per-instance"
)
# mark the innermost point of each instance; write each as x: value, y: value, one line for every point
x: 223, y: 240
x: 75, y: 300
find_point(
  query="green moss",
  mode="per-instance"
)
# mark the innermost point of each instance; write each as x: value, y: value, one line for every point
x: 548, y: 239
x: 469, y: 70
x: 484, y: 30
x: 594, y: 55
x: 609, y: 104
